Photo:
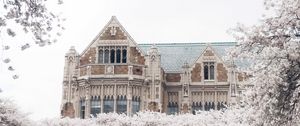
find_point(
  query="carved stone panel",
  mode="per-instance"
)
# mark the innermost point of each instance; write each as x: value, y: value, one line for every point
x: 98, y: 69
x: 208, y: 53
x: 222, y: 73
x: 121, y: 69
x: 113, y: 33
x: 137, y: 70
x: 196, y: 73
x: 173, y: 77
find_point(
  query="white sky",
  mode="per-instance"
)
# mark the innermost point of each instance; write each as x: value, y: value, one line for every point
x: 38, y: 90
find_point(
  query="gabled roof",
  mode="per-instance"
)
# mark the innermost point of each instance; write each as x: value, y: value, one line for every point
x: 112, y: 22
x: 173, y: 55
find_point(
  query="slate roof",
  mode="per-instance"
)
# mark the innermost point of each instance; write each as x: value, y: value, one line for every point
x: 173, y: 55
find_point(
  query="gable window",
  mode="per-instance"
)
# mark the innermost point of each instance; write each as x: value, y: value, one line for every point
x: 124, y: 54
x: 118, y: 56
x: 209, y: 71
x: 100, y: 56
x: 112, y: 54
x: 106, y: 56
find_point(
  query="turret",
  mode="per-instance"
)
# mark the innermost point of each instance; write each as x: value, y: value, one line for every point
x: 71, y: 62
x: 185, y: 81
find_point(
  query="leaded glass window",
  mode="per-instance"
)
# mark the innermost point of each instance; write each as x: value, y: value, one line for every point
x: 95, y: 106
x: 82, y: 108
x: 172, y: 108
x: 121, y: 104
x: 209, y: 70
x: 135, y: 105
x: 108, y: 104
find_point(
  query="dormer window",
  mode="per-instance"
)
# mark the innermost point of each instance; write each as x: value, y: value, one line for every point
x: 209, y: 70
x: 112, y: 54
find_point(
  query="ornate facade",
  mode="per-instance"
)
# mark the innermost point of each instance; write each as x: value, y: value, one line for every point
x: 115, y: 74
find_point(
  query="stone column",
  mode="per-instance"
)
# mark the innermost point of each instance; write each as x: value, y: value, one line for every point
x: 101, y: 98
x: 215, y: 101
x: 202, y: 99
x: 115, y: 98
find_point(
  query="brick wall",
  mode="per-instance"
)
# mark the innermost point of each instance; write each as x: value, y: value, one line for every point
x: 173, y: 77
x: 91, y: 52
x: 222, y: 73
x: 136, y: 57
x: 82, y: 71
x: 196, y: 73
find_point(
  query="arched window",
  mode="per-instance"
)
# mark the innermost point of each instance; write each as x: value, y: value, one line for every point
x: 106, y: 56
x: 135, y: 105
x: 209, y: 71
x: 172, y: 108
x: 196, y: 107
x: 118, y: 56
x: 100, y: 56
x: 212, y: 105
x: 95, y: 106
x: 206, y: 106
x: 212, y: 72
x: 206, y: 72
x: 121, y: 104
x: 108, y: 104
x: 124, y: 56
x: 112, y: 56
x: 82, y: 108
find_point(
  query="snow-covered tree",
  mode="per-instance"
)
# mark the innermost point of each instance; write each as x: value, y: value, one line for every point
x: 11, y: 116
x: 24, y: 23
x: 273, y: 47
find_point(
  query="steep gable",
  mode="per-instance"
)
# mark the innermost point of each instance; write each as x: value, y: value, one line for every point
x: 113, y: 33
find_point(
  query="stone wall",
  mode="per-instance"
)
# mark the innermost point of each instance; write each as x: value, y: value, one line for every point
x: 68, y: 110
x: 121, y: 69
x: 136, y: 57
x: 196, y: 73
x: 222, y: 73
x: 82, y: 71
x: 106, y: 35
x: 97, y: 69
x: 173, y: 77
x: 91, y: 52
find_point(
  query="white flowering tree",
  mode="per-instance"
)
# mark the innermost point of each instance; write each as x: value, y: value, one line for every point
x: 24, y: 23
x: 274, y: 49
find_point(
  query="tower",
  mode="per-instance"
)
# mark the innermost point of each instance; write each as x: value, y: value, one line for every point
x: 185, y: 81
x: 71, y: 61
x: 154, y: 74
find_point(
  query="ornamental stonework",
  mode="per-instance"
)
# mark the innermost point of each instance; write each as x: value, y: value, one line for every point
x: 196, y: 73
x: 113, y: 33
x: 208, y: 53
x: 222, y: 73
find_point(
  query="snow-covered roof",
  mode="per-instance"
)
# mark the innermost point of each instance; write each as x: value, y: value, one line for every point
x: 173, y: 55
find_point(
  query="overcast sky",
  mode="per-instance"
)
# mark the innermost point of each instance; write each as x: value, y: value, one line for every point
x: 38, y: 90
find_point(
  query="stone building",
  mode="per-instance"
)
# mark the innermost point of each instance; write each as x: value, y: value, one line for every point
x: 115, y: 74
